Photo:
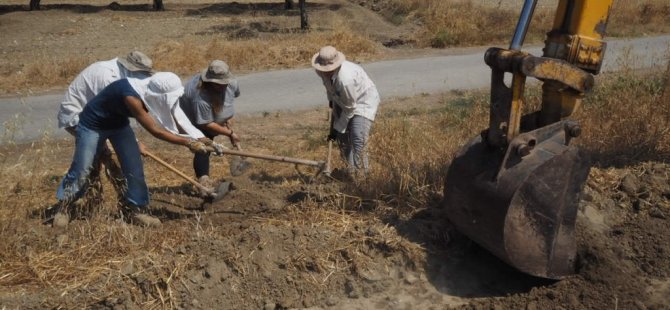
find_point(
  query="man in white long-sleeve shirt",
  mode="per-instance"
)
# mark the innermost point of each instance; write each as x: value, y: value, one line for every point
x: 94, y: 79
x: 354, y: 99
x: 83, y: 88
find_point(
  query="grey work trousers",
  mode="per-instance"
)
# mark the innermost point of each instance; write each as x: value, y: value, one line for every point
x: 353, y: 144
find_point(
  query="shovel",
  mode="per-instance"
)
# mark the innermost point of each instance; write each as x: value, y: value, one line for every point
x: 238, y: 164
x: 215, y: 194
x: 327, y: 169
x: 321, y: 165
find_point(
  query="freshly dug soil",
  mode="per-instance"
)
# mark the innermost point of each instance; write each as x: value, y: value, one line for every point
x: 269, y: 245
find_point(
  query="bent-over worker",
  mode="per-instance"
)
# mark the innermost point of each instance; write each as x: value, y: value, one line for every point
x: 83, y: 88
x: 208, y: 102
x: 105, y: 117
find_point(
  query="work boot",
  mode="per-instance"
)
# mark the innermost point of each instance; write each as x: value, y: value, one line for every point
x: 144, y: 219
x: 62, y: 217
x: 208, y: 183
x: 140, y: 216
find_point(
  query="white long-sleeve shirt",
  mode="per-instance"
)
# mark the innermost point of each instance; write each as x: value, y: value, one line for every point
x: 88, y: 84
x: 352, y: 90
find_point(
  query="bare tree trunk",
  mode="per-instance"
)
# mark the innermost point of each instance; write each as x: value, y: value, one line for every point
x: 34, y: 5
x: 304, y: 23
x: 288, y: 4
x: 158, y: 5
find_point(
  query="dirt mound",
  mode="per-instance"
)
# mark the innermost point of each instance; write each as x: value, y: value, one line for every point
x: 277, y: 242
x: 274, y: 248
x: 623, y: 244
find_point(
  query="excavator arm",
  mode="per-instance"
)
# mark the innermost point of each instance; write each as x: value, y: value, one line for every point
x: 515, y: 188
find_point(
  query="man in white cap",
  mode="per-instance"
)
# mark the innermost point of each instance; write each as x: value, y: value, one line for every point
x: 87, y: 85
x: 208, y: 103
x: 354, y: 99
x: 106, y: 116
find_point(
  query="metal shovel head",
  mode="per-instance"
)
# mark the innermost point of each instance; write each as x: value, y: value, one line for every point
x: 520, y: 208
x: 221, y: 191
x: 238, y: 165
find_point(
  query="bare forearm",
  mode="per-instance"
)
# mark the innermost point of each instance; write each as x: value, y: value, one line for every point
x: 169, y: 137
x: 216, y: 129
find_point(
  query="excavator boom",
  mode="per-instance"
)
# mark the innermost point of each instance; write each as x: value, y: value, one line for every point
x: 515, y: 188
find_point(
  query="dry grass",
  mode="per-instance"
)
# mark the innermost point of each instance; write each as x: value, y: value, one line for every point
x: 466, y: 23
x: 43, y: 73
x: 635, y: 18
x: 275, y: 52
x: 627, y: 120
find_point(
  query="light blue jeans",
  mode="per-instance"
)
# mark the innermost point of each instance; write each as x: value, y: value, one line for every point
x: 353, y: 144
x: 88, y: 143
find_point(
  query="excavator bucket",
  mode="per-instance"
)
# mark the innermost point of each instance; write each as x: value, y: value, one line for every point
x: 515, y: 189
x: 521, y: 203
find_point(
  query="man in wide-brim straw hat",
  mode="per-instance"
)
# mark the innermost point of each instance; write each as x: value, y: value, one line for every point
x: 87, y: 85
x: 354, y: 99
x: 208, y: 102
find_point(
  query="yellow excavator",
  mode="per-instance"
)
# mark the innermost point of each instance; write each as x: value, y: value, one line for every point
x: 514, y: 189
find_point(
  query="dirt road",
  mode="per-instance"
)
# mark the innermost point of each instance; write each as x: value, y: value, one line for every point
x: 24, y: 119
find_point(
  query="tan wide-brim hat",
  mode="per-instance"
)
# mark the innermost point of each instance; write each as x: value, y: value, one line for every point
x: 327, y: 59
x: 137, y: 61
x: 218, y: 72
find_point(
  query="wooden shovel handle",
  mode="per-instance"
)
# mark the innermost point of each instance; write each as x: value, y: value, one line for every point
x: 175, y: 170
x: 271, y: 157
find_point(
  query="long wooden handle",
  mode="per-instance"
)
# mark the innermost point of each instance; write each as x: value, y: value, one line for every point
x: 330, y: 142
x: 271, y: 157
x: 330, y: 151
x: 175, y: 170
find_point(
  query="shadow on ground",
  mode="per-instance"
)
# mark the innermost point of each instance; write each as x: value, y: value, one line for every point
x: 457, y: 266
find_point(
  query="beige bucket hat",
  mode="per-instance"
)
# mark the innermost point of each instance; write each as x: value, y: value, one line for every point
x: 327, y: 59
x: 218, y: 72
x: 137, y: 61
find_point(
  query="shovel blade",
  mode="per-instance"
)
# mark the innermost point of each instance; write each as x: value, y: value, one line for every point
x: 221, y: 191
x: 520, y: 208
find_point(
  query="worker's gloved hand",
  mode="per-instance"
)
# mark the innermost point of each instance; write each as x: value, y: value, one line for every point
x: 206, y: 141
x: 332, y: 136
x: 197, y: 147
x: 234, y: 139
x: 218, y: 148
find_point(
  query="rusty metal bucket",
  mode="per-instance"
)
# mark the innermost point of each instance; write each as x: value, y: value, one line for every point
x: 521, y: 203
